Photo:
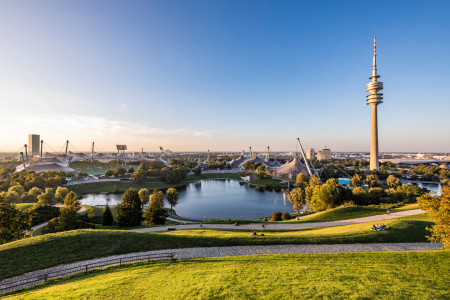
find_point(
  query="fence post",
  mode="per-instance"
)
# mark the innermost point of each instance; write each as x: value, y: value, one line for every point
x: 148, y: 257
x: 86, y: 268
x: 120, y: 261
x: 46, y: 277
x: 171, y: 255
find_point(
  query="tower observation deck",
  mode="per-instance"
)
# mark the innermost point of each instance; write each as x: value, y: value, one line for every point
x: 374, y: 99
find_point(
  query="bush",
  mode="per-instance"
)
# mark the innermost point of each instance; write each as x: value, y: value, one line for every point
x: 269, y: 186
x: 276, y: 216
x: 285, y: 216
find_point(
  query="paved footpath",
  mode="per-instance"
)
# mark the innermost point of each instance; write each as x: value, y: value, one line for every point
x: 185, y: 253
x: 257, y: 226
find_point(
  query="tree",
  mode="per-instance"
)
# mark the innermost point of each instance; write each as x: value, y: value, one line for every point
x: 372, y: 180
x: 14, y: 224
x: 438, y: 208
x: 138, y: 177
x: 156, y: 196
x: 332, y: 181
x: 308, y: 194
x: 108, y: 173
x: 301, y: 179
x: 70, y: 174
x: 119, y: 171
x: 156, y: 214
x: 47, y: 198
x: 130, y: 169
x: 297, y: 197
x: 393, y: 181
x: 261, y: 171
x: 107, y: 217
x: 198, y: 170
x: 356, y: 180
x: 144, y: 195
x: 129, y: 211
x: 172, y: 197
x: 61, y: 193
x: 409, y: 192
x: 314, y: 181
x: 324, y: 197
x: 69, y: 218
x: 35, y: 191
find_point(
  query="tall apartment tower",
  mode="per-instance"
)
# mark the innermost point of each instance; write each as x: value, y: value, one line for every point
x: 310, y: 154
x: 33, y: 144
x: 374, y: 99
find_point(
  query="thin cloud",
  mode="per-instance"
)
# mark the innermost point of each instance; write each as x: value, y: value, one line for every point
x: 61, y: 124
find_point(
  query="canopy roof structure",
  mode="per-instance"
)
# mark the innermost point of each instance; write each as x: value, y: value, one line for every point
x: 294, y: 167
x: 240, y: 161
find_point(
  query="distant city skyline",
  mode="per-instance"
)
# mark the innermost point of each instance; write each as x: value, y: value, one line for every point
x: 223, y: 76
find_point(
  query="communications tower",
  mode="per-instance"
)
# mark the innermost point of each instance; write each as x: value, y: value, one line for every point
x: 374, y: 99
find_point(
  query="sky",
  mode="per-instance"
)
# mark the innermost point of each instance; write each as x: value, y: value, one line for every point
x: 223, y: 75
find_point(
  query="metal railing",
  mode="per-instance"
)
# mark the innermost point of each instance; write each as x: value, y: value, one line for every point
x: 37, y: 279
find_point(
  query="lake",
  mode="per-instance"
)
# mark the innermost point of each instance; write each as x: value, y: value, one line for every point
x: 215, y: 199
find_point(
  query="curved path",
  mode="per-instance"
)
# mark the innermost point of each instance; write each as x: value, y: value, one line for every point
x: 287, y: 225
x: 186, y: 253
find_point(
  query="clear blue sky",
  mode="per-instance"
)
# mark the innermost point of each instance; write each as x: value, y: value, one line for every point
x: 224, y: 75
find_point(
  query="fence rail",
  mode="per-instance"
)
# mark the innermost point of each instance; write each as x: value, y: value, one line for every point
x: 37, y: 279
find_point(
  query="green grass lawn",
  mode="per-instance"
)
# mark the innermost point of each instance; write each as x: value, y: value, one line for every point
x: 52, y: 249
x: 262, y: 182
x: 23, y: 206
x: 383, y: 275
x: 118, y: 186
x: 350, y: 212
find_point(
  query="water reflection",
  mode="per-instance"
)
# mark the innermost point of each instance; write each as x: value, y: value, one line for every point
x: 216, y: 199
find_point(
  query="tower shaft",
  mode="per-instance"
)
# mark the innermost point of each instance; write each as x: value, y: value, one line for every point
x: 374, y: 164
x: 374, y: 99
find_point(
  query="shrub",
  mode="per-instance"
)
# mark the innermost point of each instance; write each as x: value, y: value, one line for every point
x: 276, y: 216
x: 285, y: 216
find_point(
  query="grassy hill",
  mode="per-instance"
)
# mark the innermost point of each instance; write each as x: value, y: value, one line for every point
x: 337, y: 214
x: 52, y: 249
x: 391, y: 275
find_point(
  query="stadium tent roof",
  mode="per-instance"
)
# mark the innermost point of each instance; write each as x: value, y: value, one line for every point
x: 78, y: 155
x: 240, y: 161
x: 294, y: 167
x: 58, y: 156
x: 48, y: 167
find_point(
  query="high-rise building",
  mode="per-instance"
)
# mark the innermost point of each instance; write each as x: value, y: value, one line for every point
x: 33, y: 144
x: 374, y: 99
x: 310, y: 154
x: 325, y: 153
x: 243, y: 152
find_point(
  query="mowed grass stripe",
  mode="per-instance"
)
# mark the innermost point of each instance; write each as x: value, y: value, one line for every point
x: 387, y: 275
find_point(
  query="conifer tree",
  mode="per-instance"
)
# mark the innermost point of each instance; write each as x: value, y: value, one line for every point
x: 129, y: 211
x: 107, y: 217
